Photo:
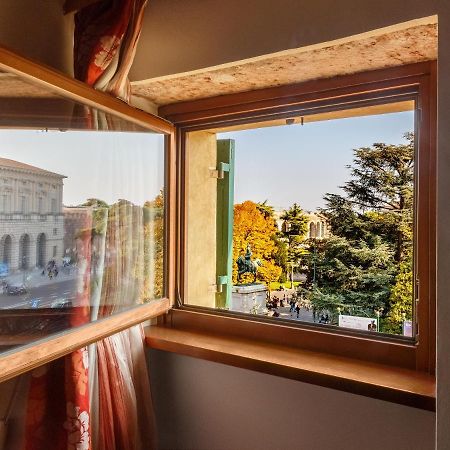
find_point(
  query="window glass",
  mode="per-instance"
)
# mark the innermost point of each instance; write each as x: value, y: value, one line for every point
x: 86, y: 235
x: 306, y: 220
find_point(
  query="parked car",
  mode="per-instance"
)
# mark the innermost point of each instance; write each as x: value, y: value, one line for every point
x: 61, y: 303
x: 15, y: 289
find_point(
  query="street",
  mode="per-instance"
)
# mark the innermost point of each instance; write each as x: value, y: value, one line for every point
x: 42, y: 289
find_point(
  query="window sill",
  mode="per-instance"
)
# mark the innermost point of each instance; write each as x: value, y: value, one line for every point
x: 402, y: 386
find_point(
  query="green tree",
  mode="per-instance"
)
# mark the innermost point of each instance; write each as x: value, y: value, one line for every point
x: 367, y: 264
x: 294, y: 231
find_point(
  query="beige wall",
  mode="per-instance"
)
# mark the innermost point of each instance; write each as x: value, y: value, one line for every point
x: 201, y: 405
x: 201, y: 210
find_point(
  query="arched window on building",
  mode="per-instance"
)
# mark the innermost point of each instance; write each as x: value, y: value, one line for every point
x: 41, y: 250
x: 312, y: 230
x: 5, y: 249
x: 24, y: 251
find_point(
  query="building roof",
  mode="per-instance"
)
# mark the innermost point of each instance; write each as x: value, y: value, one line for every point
x: 17, y: 165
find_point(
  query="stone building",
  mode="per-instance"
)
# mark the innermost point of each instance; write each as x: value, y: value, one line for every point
x: 31, y: 215
x: 76, y: 219
x: 317, y: 224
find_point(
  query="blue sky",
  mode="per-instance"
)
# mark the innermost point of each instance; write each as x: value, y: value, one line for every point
x: 284, y: 164
x: 300, y: 164
x: 108, y: 166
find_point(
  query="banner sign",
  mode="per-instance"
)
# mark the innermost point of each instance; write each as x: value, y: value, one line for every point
x: 358, y: 323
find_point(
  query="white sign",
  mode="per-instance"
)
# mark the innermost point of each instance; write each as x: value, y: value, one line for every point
x: 358, y: 323
x: 407, y: 328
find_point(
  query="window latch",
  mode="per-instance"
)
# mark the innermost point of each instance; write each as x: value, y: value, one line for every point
x: 221, y: 281
x: 219, y: 173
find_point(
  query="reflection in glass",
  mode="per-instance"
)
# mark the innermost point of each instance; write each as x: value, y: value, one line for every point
x: 81, y: 228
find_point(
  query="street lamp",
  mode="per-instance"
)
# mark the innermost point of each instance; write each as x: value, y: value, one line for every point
x: 378, y: 314
x: 292, y: 275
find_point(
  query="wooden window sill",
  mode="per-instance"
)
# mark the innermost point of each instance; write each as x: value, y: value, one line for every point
x: 402, y: 386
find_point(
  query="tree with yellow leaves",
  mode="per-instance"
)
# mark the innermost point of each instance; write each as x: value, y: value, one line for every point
x: 253, y: 228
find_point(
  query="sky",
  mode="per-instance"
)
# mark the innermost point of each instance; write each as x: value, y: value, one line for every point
x: 295, y: 163
x: 104, y: 165
x: 282, y: 165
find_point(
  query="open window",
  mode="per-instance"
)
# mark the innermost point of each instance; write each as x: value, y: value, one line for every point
x: 84, y: 215
x: 325, y: 189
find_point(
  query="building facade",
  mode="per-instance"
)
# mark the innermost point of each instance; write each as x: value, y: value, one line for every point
x: 31, y: 215
x: 317, y: 224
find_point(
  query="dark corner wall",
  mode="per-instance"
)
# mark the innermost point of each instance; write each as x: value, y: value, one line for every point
x: 38, y: 30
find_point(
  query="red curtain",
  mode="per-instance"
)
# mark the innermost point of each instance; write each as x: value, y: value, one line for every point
x: 59, y: 414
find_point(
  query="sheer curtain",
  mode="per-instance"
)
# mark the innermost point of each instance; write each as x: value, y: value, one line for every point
x: 105, y: 401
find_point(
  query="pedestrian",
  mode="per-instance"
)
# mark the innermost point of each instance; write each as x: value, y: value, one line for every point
x: 297, y: 309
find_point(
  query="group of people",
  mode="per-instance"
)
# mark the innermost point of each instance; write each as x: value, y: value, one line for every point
x: 296, y: 302
x: 273, y: 303
x: 51, y: 268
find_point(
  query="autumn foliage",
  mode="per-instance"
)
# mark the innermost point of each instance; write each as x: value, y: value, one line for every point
x: 252, y: 227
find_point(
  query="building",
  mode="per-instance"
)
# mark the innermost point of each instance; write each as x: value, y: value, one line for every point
x: 31, y: 215
x: 317, y: 224
x: 76, y: 219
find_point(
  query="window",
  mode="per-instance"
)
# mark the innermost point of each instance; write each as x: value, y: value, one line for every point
x: 115, y: 218
x: 23, y: 204
x: 5, y: 203
x: 209, y: 277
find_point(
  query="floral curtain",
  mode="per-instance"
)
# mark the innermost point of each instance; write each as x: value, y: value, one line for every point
x: 105, y: 401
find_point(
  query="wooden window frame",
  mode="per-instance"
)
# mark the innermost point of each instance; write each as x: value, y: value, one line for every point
x: 29, y: 356
x: 416, y: 81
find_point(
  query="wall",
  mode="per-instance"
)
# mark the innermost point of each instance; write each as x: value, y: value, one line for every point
x: 38, y: 30
x: 202, y: 200
x: 202, y: 405
x: 180, y: 36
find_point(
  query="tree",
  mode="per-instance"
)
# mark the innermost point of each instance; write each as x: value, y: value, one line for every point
x: 379, y: 196
x: 294, y: 230
x: 252, y: 227
x: 367, y: 264
x: 280, y: 253
x: 352, y: 275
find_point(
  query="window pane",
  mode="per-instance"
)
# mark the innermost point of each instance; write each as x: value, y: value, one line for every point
x: 81, y: 228
x: 321, y: 225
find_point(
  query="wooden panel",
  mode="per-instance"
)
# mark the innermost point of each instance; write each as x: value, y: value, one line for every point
x: 402, y: 386
x: 15, y: 363
x: 313, y: 338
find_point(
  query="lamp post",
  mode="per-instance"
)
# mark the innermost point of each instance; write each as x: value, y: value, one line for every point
x: 292, y: 275
x: 314, y: 263
x: 378, y: 314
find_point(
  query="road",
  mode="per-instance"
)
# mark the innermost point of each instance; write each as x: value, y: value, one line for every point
x: 45, y: 293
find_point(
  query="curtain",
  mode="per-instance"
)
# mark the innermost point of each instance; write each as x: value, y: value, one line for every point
x: 105, y: 401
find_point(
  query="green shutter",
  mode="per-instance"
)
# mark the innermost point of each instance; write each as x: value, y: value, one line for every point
x: 225, y: 203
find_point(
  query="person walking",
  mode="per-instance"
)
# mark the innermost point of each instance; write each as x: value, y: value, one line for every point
x: 297, y: 309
